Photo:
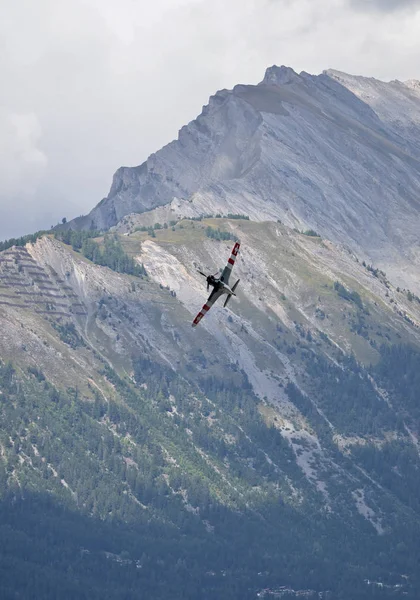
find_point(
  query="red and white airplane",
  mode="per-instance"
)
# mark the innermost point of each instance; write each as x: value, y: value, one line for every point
x: 220, y: 286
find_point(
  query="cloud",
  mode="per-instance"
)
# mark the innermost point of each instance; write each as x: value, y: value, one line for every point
x: 385, y: 5
x: 107, y: 83
x: 21, y: 160
x: 22, y: 165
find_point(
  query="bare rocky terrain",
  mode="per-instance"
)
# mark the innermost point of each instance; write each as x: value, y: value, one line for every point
x: 287, y: 308
x: 335, y: 153
x: 272, y: 451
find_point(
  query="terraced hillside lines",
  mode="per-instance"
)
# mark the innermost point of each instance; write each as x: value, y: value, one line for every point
x: 269, y: 439
x: 20, y: 275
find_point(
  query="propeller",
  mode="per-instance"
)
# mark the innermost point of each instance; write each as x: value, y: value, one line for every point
x: 204, y: 275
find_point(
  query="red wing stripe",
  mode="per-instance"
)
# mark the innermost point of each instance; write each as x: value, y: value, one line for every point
x: 235, y: 249
x: 231, y: 261
x: 210, y: 301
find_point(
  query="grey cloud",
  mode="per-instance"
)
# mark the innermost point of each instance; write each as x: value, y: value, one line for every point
x: 21, y: 160
x: 22, y: 166
x: 385, y: 5
x: 90, y: 85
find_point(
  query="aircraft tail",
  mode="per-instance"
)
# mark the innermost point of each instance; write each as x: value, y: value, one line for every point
x: 230, y: 295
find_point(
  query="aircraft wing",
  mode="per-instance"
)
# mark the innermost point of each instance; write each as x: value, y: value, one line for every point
x: 228, y: 269
x: 210, y: 301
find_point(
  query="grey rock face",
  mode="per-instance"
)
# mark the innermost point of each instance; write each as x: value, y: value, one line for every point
x: 221, y: 144
x: 335, y: 153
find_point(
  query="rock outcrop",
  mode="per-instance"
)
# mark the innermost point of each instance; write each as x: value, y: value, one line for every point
x: 335, y: 153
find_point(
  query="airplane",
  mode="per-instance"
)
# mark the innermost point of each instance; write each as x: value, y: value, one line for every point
x: 220, y: 286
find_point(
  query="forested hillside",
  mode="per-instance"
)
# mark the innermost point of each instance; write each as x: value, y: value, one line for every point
x: 272, y: 451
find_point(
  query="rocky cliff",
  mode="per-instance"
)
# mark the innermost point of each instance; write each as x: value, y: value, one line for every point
x: 274, y: 450
x: 289, y: 418
x: 335, y: 153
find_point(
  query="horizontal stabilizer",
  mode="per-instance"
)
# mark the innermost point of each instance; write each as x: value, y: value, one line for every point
x: 236, y: 285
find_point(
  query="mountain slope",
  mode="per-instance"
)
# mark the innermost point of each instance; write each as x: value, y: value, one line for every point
x: 334, y: 153
x: 252, y: 453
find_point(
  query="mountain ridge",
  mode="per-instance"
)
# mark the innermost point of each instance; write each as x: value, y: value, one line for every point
x: 334, y: 153
x: 241, y: 426
x: 274, y: 451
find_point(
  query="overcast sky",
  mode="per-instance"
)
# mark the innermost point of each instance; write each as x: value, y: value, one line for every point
x: 89, y: 85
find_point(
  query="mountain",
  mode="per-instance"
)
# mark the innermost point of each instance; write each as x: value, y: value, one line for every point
x: 272, y: 452
x: 334, y: 153
x: 274, y: 447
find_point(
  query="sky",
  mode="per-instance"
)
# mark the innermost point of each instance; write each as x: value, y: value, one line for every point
x: 88, y: 86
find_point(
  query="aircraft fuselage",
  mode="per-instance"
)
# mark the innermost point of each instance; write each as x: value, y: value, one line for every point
x: 220, y: 285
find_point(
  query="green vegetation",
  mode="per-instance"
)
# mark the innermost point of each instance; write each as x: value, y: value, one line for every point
x: 311, y: 233
x: 109, y: 254
x: 36, y: 372
x: 151, y: 229
x: 68, y: 334
x: 162, y: 482
x: 346, y: 396
x: 75, y: 239
x: 375, y: 271
x: 131, y: 468
x: 112, y: 255
x: 218, y: 234
x: 122, y: 488
x: 411, y: 296
x: 237, y: 216
x: 21, y: 241
x: 399, y: 371
x: 219, y: 216
x: 349, y: 296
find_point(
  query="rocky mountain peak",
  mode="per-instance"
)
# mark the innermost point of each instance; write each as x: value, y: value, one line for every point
x: 289, y: 419
x: 338, y: 154
x: 279, y: 75
x: 413, y: 84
